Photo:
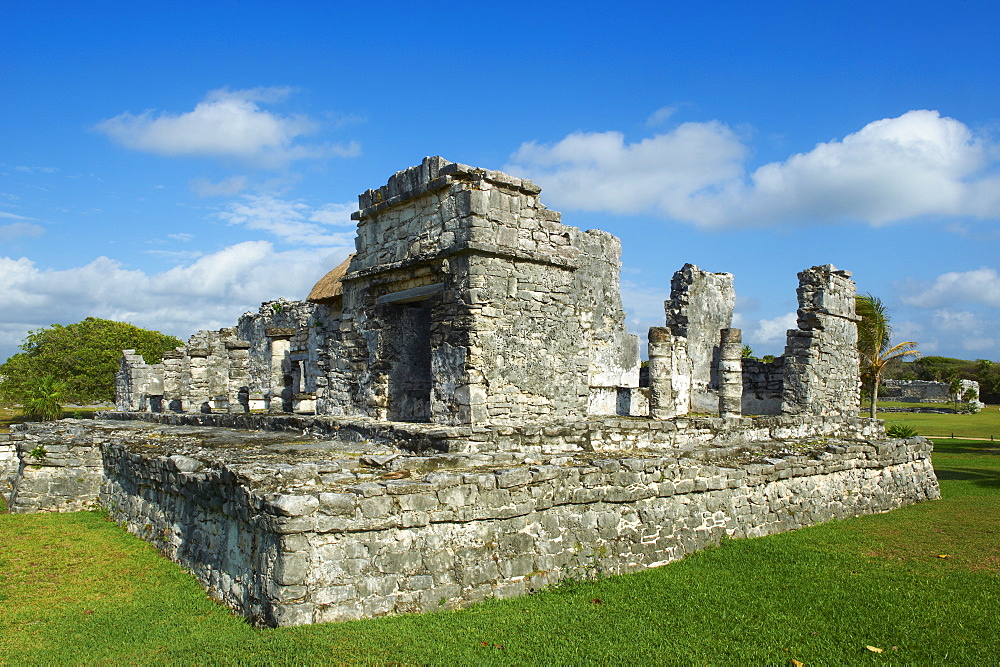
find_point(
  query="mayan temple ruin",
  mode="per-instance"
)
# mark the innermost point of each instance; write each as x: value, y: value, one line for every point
x: 457, y: 412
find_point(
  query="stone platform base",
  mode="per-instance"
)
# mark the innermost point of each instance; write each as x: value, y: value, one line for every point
x: 288, y: 529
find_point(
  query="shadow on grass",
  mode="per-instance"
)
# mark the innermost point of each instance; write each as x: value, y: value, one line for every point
x: 977, y: 476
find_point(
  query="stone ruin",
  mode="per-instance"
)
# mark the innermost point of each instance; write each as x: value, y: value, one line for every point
x: 457, y: 411
x: 926, y: 391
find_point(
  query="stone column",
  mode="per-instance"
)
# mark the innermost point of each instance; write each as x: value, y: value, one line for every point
x: 701, y: 304
x: 731, y: 373
x: 669, y: 374
x: 198, y: 389
x: 281, y: 346
x: 174, y: 382
x: 821, y: 356
x: 238, y: 352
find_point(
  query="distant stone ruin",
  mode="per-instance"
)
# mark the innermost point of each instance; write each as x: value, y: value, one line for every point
x: 457, y: 411
x: 926, y: 391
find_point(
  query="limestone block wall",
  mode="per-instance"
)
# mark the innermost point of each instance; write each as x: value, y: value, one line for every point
x: 519, y: 315
x: 607, y: 435
x: 820, y: 374
x: 763, y: 386
x: 448, y: 538
x: 202, y: 519
x: 923, y: 391
x: 59, y: 469
x: 8, y: 462
x: 138, y: 385
x: 700, y: 307
x: 614, y: 353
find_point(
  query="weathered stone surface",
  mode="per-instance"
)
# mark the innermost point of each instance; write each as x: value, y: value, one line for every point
x: 268, y: 531
x: 462, y: 417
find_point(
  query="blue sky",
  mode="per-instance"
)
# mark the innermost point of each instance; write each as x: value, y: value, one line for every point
x: 175, y: 166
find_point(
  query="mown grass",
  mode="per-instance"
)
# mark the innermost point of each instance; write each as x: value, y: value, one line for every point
x: 983, y: 424
x: 74, y: 588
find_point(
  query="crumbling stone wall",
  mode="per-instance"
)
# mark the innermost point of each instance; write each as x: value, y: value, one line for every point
x: 700, y: 307
x: 288, y: 531
x: 924, y: 391
x: 8, y: 462
x: 515, y: 306
x: 820, y: 374
x: 763, y: 386
x: 468, y: 302
x: 59, y: 468
x: 316, y: 554
x: 138, y: 385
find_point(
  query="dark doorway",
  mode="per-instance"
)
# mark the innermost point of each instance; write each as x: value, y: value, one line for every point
x: 407, y: 344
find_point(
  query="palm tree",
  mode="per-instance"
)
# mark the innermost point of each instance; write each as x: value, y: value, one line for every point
x: 875, y: 348
x: 43, y: 399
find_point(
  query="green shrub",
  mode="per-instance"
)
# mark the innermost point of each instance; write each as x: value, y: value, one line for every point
x: 43, y: 399
x: 901, y: 431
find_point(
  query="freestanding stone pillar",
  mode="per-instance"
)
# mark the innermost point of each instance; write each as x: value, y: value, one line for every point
x: 237, y: 351
x: 731, y: 373
x: 281, y: 347
x: 669, y: 374
x: 821, y: 356
x: 701, y: 304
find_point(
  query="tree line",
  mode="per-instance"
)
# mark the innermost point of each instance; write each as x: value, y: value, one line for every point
x: 75, y: 363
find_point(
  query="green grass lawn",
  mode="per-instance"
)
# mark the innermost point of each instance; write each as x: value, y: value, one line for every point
x: 74, y: 588
x: 981, y: 425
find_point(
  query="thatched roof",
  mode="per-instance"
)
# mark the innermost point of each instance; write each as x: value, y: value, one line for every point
x: 329, y: 288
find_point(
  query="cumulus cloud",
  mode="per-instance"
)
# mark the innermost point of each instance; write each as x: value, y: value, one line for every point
x: 978, y: 286
x: 228, y: 124
x: 772, y: 330
x: 293, y: 222
x: 208, y: 293
x: 956, y: 321
x: 600, y: 171
x: 661, y: 116
x: 916, y: 165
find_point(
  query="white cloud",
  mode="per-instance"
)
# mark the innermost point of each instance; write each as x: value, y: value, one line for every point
x: 599, y: 171
x: 893, y: 169
x: 229, y: 124
x: 773, y: 330
x: 208, y: 293
x: 182, y: 236
x: 293, y: 222
x: 13, y: 216
x: 226, y: 187
x: 978, y: 286
x: 979, y: 344
x: 956, y: 321
x: 661, y: 116
x: 20, y: 230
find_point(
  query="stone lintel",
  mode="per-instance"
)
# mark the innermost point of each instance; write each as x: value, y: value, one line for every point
x: 570, y: 263
x: 412, y: 294
x: 279, y: 332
